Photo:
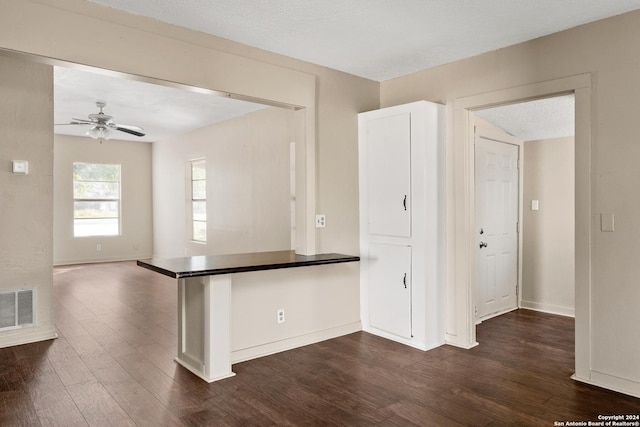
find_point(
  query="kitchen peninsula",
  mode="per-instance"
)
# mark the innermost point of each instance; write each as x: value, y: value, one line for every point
x: 204, y: 301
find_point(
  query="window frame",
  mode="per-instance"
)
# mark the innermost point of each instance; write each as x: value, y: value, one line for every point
x: 193, y: 200
x: 117, y: 200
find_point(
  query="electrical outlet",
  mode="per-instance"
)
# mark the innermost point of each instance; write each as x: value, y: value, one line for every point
x: 321, y: 221
x: 98, y: 247
x: 280, y: 315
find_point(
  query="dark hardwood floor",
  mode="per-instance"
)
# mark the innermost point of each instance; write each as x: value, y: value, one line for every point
x: 113, y: 365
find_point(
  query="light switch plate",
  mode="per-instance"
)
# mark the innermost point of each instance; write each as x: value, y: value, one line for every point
x: 535, y: 205
x: 20, y: 167
x: 607, y: 222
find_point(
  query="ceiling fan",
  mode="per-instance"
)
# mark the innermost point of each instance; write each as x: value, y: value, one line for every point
x: 103, y: 125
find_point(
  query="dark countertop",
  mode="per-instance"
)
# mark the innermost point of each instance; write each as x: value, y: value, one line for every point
x: 210, y: 265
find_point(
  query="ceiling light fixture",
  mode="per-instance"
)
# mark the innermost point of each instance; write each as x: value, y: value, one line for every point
x: 99, y: 132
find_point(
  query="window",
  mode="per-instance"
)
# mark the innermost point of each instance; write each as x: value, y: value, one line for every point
x: 199, y: 200
x: 96, y: 200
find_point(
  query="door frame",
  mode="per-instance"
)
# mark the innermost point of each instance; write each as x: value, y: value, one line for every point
x: 498, y: 135
x: 461, y: 329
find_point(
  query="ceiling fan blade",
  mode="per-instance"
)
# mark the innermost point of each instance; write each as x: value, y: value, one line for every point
x: 102, y: 122
x: 82, y: 122
x: 73, y: 123
x: 133, y: 130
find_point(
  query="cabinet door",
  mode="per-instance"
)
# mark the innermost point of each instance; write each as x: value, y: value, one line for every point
x: 390, y: 288
x: 389, y: 175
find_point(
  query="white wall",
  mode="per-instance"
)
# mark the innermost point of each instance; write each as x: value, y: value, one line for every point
x: 548, y: 278
x: 312, y: 312
x: 248, y: 196
x: 26, y: 201
x: 605, y: 55
x: 329, y: 101
x: 135, y: 241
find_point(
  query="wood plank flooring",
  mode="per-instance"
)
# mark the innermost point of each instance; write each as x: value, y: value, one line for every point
x: 113, y: 365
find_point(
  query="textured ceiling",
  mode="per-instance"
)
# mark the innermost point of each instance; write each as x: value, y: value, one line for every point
x: 541, y: 119
x: 162, y: 111
x: 165, y: 111
x: 377, y: 39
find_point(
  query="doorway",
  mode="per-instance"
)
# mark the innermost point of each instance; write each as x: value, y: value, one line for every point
x: 461, y: 330
x: 497, y: 210
x: 531, y: 264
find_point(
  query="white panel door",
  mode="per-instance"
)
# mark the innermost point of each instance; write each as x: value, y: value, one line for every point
x: 390, y: 288
x: 389, y: 175
x: 496, y: 165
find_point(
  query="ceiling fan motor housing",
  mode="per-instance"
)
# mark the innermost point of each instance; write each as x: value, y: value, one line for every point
x: 100, y: 118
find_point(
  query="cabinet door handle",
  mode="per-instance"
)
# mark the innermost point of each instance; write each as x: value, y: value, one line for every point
x: 404, y: 202
x: 404, y: 280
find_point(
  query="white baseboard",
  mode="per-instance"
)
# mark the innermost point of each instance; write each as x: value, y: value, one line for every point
x: 415, y: 344
x: 492, y: 315
x: 244, y: 354
x: 452, y: 340
x: 58, y: 263
x: 455, y: 341
x: 610, y: 382
x: 548, y: 308
x: 196, y: 369
x: 27, y: 336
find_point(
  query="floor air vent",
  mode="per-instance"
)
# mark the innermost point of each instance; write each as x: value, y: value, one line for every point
x: 16, y: 309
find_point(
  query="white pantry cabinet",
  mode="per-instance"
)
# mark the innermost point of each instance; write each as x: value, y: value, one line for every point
x: 402, y: 241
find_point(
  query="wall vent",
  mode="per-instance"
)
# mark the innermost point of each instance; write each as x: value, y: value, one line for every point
x: 16, y: 309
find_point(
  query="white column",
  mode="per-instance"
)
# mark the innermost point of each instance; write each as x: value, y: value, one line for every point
x: 217, y: 327
x: 204, y: 342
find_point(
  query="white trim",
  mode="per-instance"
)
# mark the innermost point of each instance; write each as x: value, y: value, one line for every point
x: 28, y: 337
x: 621, y: 385
x: 190, y: 201
x: 97, y: 199
x: 204, y: 326
x: 133, y: 257
x: 217, y: 326
x: 198, y: 372
x: 496, y: 314
x: 406, y: 341
x: 453, y: 343
x: 548, y: 308
x: 583, y: 230
x: 249, y: 353
x: 462, y: 265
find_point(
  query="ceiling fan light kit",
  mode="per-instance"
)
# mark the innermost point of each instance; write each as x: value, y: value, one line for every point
x: 99, y: 132
x: 103, y: 125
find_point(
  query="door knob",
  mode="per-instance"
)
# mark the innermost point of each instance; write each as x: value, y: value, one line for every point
x: 483, y: 245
